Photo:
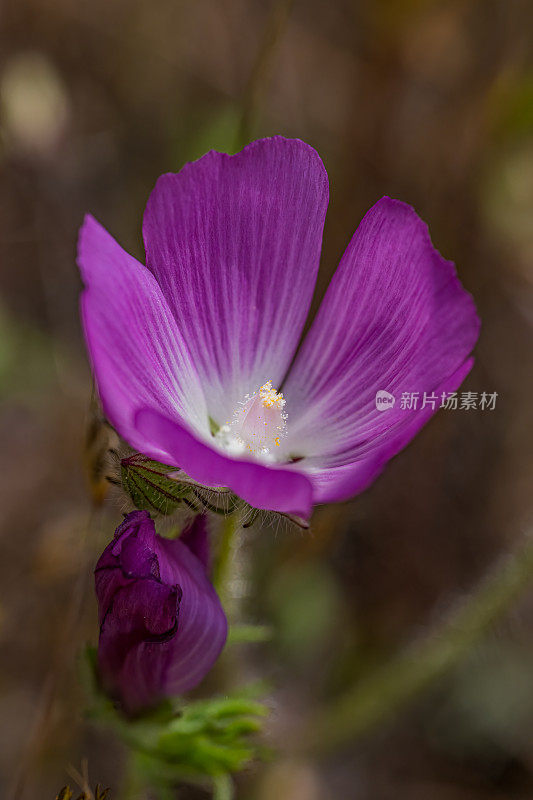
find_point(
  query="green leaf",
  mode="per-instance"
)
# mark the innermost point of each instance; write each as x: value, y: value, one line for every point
x: 212, y: 737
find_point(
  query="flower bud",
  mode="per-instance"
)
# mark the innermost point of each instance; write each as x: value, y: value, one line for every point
x: 162, y: 626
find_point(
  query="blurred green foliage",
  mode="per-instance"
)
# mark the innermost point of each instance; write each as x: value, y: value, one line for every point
x: 305, y: 604
x: 28, y: 358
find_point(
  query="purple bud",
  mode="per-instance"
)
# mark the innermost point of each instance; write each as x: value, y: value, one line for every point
x: 162, y: 626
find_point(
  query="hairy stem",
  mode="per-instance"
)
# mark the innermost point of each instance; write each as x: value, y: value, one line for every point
x: 375, y: 698
x: 226, y: 550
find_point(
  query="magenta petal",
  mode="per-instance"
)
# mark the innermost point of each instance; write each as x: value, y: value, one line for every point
x: 394, y: 318
x: 332, y: 485
x: 265, y: 487
x: 234, y: 242
x: 202, y: 624
x: 138, y: 356
x: 196, y: 536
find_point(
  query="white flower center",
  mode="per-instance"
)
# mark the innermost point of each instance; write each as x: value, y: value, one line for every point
x: 258, y: 425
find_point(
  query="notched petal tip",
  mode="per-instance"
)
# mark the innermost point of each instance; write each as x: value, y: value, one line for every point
x: 263, y: 148
x: 391, y: 206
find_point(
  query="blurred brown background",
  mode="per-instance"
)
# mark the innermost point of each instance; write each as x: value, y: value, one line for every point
x: 431, y: 102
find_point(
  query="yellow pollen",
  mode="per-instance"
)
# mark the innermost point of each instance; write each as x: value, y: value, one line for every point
x: 258, y: 425
x: 269, y: 396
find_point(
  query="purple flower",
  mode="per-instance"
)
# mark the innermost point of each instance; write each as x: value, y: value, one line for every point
x: 161, y: 623
x: 189, y: 351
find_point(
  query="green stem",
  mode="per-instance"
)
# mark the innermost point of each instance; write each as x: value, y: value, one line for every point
x: 375, y: 698
x: 223, y: 788
x: 222, y: 568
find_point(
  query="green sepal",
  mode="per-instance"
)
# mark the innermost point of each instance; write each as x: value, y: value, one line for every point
x: 148, y: 484
x: 161, y: 489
